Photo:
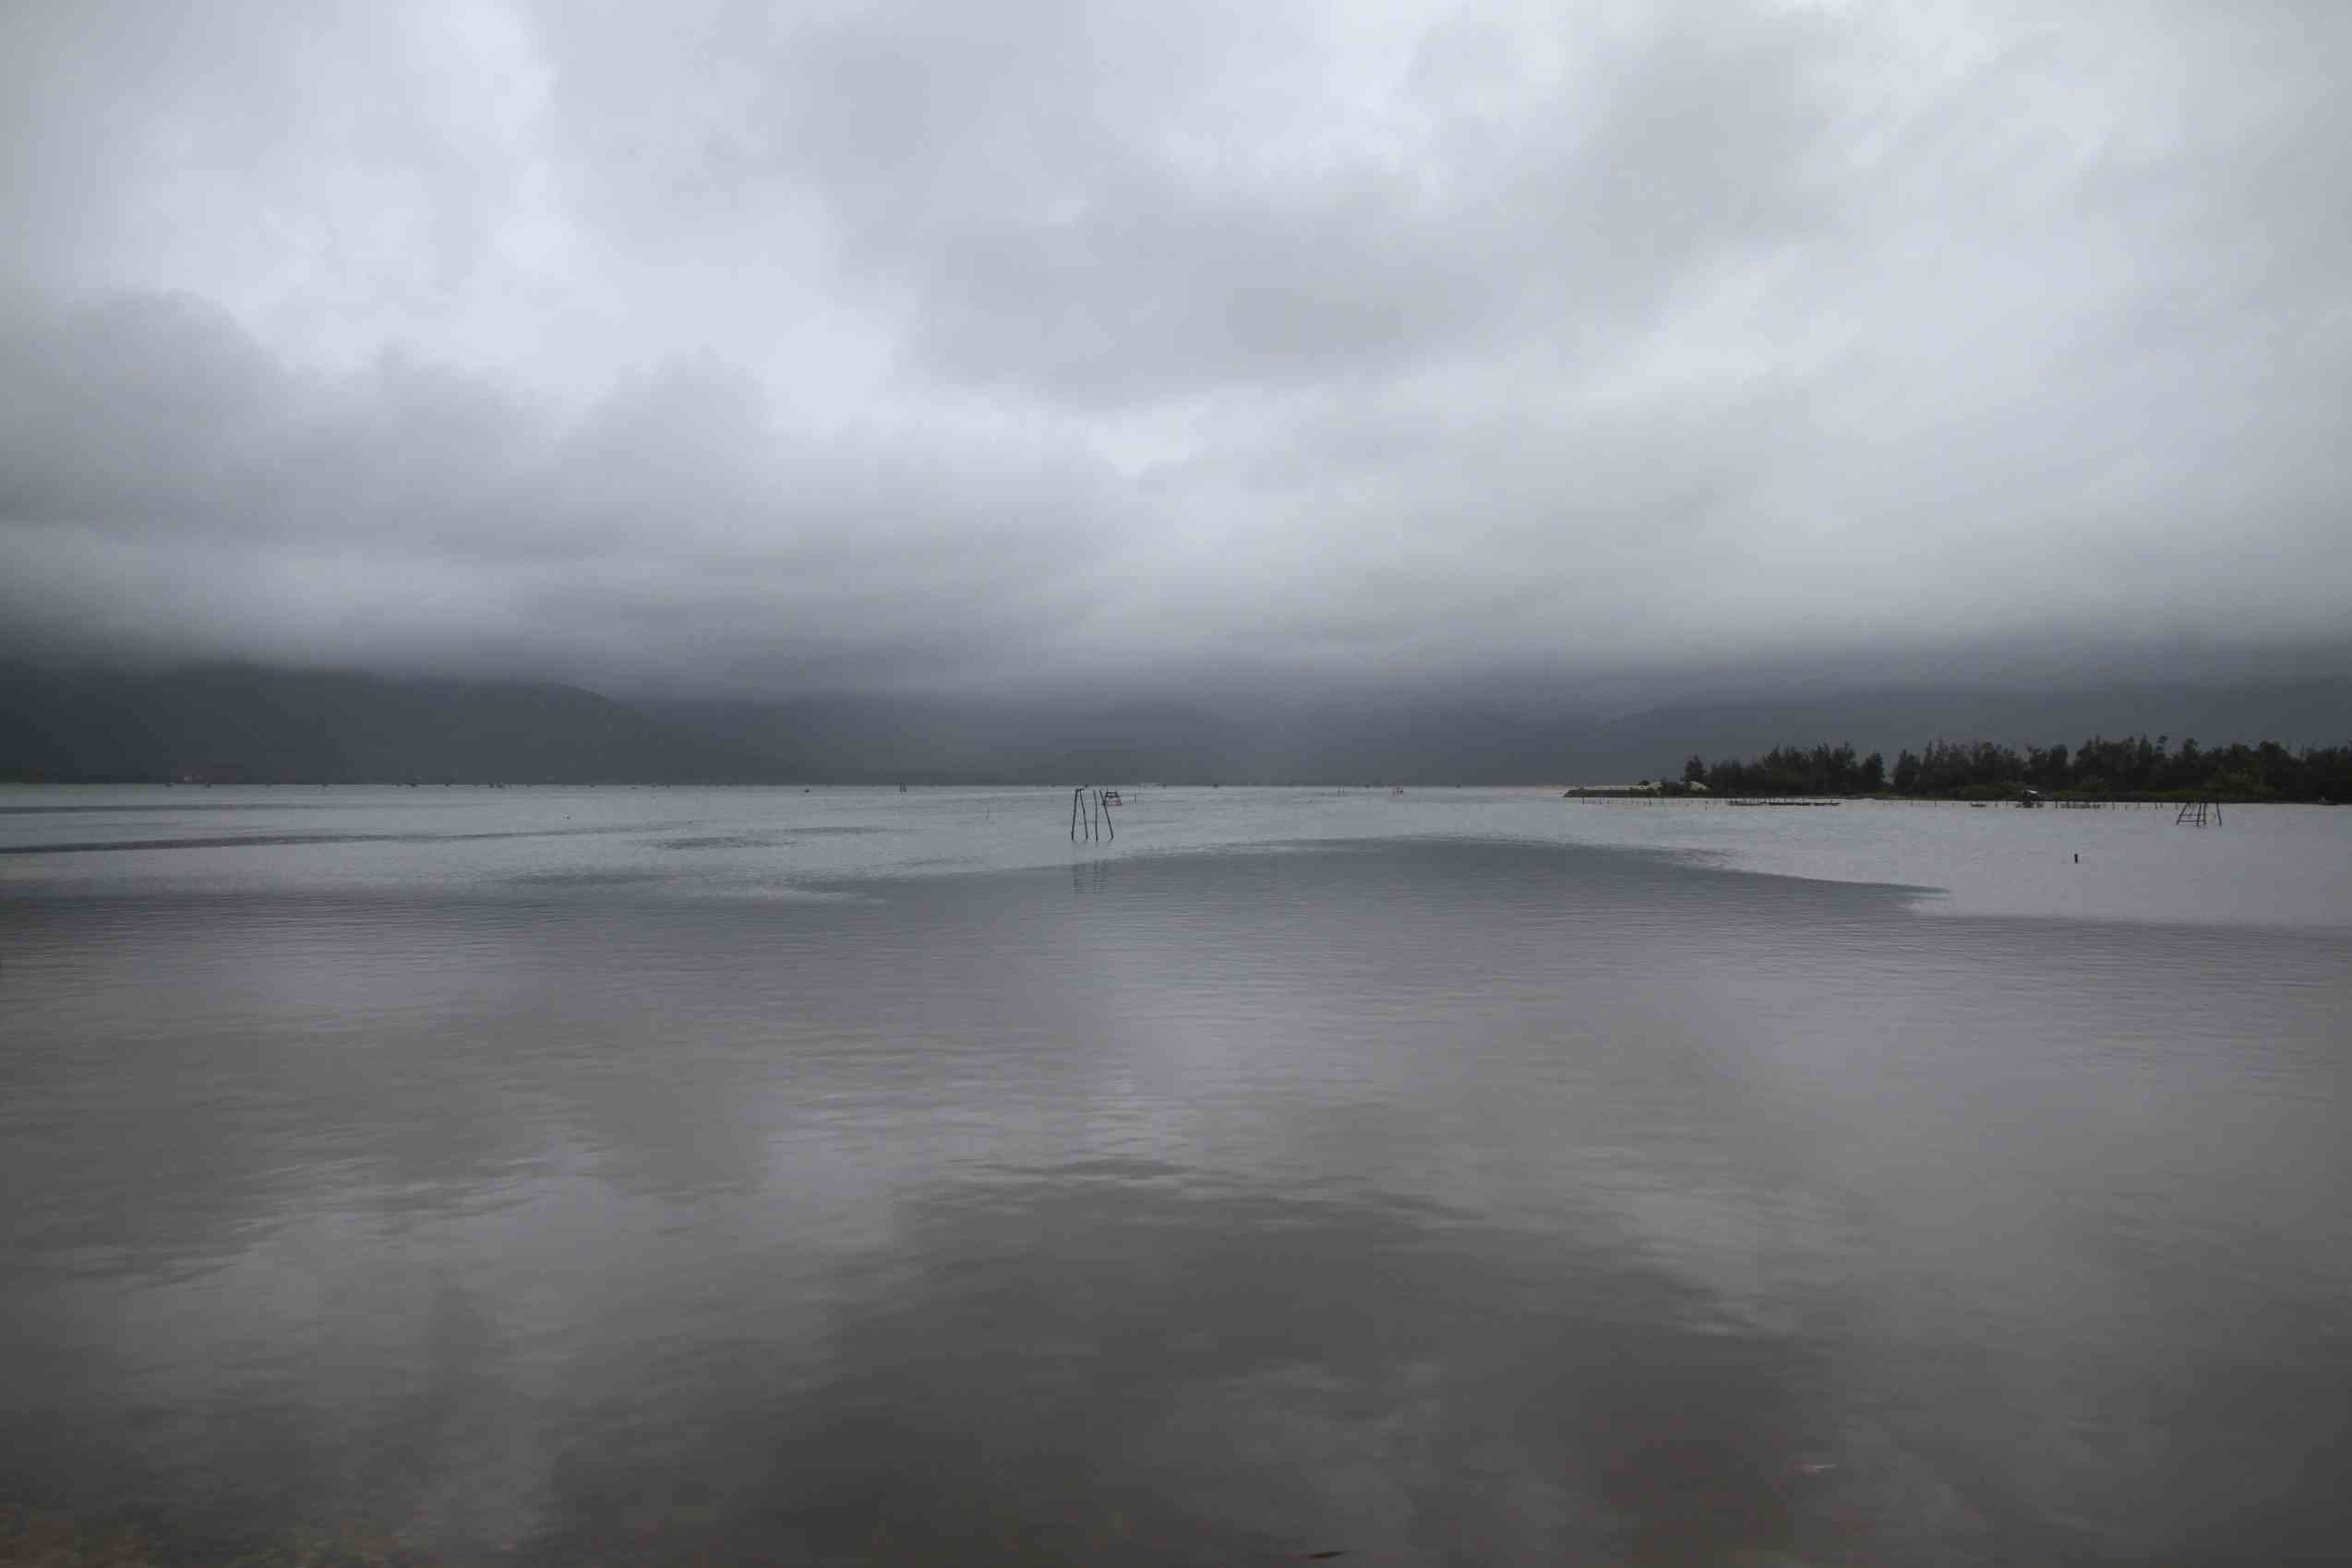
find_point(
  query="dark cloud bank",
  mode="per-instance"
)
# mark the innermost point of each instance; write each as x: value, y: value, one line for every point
x: 1552, y: 361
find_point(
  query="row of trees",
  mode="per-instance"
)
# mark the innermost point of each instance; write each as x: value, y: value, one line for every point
x: 1793, y: 770
x: 1985, y: 770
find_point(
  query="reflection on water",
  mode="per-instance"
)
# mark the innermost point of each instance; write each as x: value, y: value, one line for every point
x: 1428, y: 1201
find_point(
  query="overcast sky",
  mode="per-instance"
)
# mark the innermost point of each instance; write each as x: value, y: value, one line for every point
x: 1004, y: 342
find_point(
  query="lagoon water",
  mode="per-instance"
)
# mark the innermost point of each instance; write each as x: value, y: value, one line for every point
x: 1458, y: 1177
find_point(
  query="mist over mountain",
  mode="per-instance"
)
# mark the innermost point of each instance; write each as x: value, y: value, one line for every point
x: 228, y: 723
x: 242, y: 724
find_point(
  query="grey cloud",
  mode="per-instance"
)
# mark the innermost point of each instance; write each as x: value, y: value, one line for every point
x: 1054, y: 232
x: 166, y: 479
x: 1033, y: 342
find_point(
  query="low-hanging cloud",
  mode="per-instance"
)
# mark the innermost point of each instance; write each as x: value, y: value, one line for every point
x: 905, y: 346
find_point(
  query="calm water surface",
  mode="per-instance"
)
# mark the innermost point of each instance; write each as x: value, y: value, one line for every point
x: 1466, y: 1177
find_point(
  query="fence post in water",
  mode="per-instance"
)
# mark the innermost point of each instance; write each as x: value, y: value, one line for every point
x: 1108, y: 824
x: 1074, y: 796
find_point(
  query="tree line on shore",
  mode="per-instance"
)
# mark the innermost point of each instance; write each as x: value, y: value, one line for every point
x: 2100, y: 768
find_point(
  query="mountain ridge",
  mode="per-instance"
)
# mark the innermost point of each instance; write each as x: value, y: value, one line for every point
x: 253, y: 724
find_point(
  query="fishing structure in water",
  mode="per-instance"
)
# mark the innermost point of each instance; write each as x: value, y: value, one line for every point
x: 1090, y: 813
x: 2198, y: 813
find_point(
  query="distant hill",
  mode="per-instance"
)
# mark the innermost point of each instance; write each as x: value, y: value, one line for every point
x: 236, y: 723
x: 1236, y: 741
x: 1369, y: 741
x: 230, y: 724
